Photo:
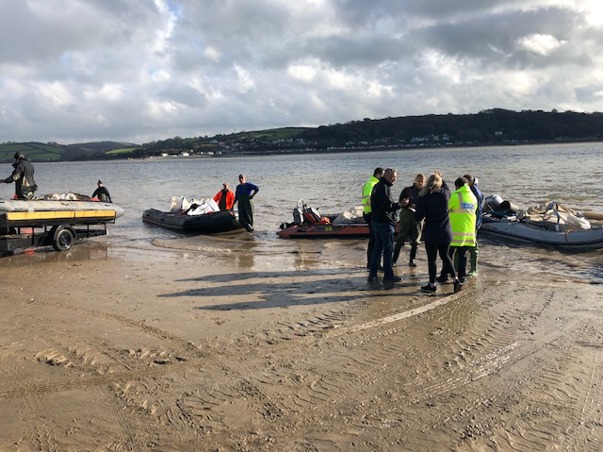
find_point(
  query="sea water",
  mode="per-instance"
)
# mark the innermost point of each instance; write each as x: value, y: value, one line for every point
x: 571, y: 174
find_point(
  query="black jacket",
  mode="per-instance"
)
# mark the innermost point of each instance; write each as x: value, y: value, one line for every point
x: 434, y: 209
x: 23, y: 176
x: 102, y: 194
x: 383, y: 207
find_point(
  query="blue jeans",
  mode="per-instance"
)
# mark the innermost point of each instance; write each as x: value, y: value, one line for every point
x: 384, y: 246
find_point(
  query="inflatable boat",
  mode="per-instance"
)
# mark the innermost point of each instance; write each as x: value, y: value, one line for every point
x: 309, y: 224
x: 323, y: 231
x: 207, y: 223
x: 547, y: 225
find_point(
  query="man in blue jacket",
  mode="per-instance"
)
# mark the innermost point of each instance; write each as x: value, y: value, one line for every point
x: 243, y: 195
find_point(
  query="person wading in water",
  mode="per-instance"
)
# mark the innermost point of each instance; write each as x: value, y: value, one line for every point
x: 244, y: 194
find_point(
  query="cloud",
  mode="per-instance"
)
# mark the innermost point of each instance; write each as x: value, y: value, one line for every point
x: 78, y: 70
x: 540, y: 44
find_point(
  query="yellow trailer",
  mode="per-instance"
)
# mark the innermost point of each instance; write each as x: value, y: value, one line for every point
x: 59, y: 224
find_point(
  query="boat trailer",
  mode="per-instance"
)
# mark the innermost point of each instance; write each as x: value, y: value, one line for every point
x: 57, y: 229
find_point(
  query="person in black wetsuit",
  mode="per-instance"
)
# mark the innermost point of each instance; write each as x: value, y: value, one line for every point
x: 102, y: 193
x: 23, y: 177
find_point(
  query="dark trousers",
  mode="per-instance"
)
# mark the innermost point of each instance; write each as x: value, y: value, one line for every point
x: 371, y: 241
x: 458, y: 256
x: 410, y: 230
x: 245, y: 212
x: 432, y: 250
x: 460, y: 259
x: 384, y: 247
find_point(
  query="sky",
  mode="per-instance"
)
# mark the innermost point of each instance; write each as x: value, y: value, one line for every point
x: 73, y: 71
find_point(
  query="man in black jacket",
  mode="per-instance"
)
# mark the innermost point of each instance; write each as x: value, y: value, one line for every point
x: 383, y: 211
x: 23, y: 177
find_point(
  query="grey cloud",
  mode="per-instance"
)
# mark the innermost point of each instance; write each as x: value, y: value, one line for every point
x: 136, y: 71
x: 493, y: 39
x: 366, y: 14
x: 184, y: 95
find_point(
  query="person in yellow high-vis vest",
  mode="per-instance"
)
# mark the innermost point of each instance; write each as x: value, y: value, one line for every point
x: 474, y: 252
x: 462, y: 207
x: 367, y: 190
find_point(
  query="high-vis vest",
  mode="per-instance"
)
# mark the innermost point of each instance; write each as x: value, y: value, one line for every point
x: 462, y: 206
x: 367, y: 189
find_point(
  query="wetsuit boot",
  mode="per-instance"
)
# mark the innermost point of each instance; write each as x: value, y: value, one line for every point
x: 397, y: 249
x: 473, y: 261
x: 413, y: 255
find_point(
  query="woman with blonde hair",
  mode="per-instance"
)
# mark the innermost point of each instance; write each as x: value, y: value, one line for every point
x: 432, y: 207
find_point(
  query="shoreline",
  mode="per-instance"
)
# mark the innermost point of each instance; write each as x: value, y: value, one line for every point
x: 109, y: 348
x: 334, y: 150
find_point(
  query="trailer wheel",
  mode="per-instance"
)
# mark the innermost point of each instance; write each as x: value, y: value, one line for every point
x: 63, y: 239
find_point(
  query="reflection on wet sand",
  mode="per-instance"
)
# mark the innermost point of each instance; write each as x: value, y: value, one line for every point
x: 81, y: 252
x: 255, y: 253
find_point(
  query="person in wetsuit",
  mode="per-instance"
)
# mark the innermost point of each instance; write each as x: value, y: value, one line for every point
x: 243, y: 195
x: 102, y: 193
x: 23, y: 177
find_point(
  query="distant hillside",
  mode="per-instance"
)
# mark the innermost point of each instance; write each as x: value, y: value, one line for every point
x: 36, y: 151
x: 50, y: 152
x: 495, y: 126
x: 489, y: 127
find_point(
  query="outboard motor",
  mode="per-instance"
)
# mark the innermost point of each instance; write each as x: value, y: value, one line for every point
x: 493, y: 202
x: 508, y: 207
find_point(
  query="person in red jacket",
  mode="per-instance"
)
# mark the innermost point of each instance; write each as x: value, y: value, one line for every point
x: 225, y: 198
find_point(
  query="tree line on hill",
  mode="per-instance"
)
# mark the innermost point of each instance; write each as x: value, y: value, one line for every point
x: 488, y: 127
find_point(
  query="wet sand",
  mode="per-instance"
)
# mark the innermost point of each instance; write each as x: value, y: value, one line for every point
x: 167, y: 349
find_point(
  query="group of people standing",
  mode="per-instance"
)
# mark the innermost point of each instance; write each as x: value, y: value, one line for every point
x: 243, y: 195
x: 25, y: 188
x: 446, y: 221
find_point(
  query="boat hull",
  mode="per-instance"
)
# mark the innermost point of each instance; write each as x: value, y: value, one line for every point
x: 47, y: 212
x: 524, y: 232
x: 209, y: 223
x: 323, y: 231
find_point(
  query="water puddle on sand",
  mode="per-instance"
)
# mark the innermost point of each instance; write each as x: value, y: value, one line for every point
x: 584, y: 266
x: 255, y: 252
x: 263, y: 250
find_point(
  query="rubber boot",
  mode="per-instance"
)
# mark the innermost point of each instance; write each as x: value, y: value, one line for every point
x: 397, y: 249
x: 413, y: 251
x: 473, y: 261
x: 413, y: 255
x: 455, y: 260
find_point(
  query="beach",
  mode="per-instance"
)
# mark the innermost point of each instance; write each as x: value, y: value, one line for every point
x: 104, y: 350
